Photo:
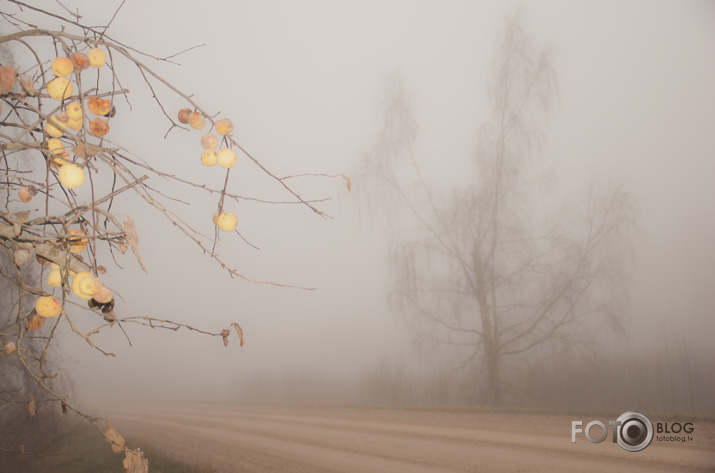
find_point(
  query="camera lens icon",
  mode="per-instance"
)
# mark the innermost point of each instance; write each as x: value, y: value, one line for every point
x: 635, y: 431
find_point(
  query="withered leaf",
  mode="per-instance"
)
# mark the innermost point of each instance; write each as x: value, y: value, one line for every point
x: 7, y: 79
x: 22, y: 217
x: 130, y: 230
x: 239, y: 331
x: 32, y: 405
x: 348, y: 182
x: 22, y: 256
x: 224, y: 334
x: 27, y: 85
x: 134, y: 462
x: 64, y: 407
x: 84, y: 150
x: 114, y: 438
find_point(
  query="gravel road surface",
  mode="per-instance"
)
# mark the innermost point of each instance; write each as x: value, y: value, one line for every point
x: 241, y: 438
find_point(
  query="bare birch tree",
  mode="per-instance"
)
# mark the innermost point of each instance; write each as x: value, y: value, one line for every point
x: 485, y: 265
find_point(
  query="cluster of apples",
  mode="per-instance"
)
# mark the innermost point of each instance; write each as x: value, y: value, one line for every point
x: 224, y: 157
x: 71, y: 175
x: 85, y: 285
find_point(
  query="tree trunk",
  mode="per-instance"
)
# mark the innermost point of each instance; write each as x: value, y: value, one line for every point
x: 491, y: 358
x: 489, y: 339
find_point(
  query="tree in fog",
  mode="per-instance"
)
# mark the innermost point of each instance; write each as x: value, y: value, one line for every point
x: 65, y: 205
x: 488, y: 266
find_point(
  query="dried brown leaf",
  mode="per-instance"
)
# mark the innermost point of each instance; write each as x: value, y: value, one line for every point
x: 134, y: 462
x: 22, y: 256
x: 114, y: 438
x: 130, y: 230
x: 84, y: 150
x: 224, y: 334
x: 7, y: 79
x: 239, y: 331
x: 27, y: 85
x: 64, y: 407
x: 32, y: 405
x: 348, y: 182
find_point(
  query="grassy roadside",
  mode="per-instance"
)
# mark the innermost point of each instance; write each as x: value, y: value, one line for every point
x: 82, y: 449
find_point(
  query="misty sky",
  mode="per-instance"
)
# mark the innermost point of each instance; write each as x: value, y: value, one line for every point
x: 301, y: 82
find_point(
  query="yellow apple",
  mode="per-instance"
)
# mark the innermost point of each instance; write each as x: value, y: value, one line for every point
x: 209, y: 140
x: 224, y: 126
x: 208, y: 157
x: 226, y: 221
x: 55, y: 128
x: 61, y: 160
x: 71, y: 175
x: 62, y: 67
x: 55, y: 146
x: 85, y: 285
x: 226, y: 158
x: 54, y: 279
x: 97, y: 57
x: 60, y: 88
x: 75, y: 125
x: 74, y: 111
x: 48, y: 306
x: 196, y: 120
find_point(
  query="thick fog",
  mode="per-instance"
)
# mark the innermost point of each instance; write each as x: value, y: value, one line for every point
x: 302, y: 82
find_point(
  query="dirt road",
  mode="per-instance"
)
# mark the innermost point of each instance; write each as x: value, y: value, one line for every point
x: 239, y: 438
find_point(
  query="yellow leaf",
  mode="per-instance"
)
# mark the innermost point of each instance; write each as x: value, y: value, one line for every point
x: 114, y: 438
x: 134, y: 462
x: 32, y: 406
x: 133, y: 239
x: 239, y: 331
x: 348, y: 182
